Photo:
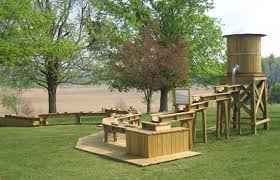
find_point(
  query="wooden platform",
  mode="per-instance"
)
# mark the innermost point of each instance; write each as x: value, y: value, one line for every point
x: 117, y: 150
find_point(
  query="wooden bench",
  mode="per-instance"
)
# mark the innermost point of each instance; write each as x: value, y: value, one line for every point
x: 77, y: 115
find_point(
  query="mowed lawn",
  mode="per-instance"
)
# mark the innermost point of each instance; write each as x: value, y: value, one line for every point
x: 48, y: 153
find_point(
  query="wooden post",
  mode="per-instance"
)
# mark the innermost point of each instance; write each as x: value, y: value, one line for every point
x: 105, y: 136
x: 194, y: 127
x: 115, y: 136
x: 228, y: 104
x: 234, y: 114
x: 226, y: 113
x: 253, y: 109
x: 43, y: 121
x: 222, y: 119
x: 264, y: 100
x: 190, y: 134
x: 204, y: 126
x: 218, y: 119
x: 78, y: 119
x: 238, y: 108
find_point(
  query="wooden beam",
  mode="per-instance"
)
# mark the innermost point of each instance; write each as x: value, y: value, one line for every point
x: 245, y: 108
x: 253, y: 107
x: 262, y: 121
x: 259, y: 94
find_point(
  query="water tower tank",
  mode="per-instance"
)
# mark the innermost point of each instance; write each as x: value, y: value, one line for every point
x: 244, y: 50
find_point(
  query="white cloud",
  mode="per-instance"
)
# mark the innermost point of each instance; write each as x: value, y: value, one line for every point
x: 251, y: 16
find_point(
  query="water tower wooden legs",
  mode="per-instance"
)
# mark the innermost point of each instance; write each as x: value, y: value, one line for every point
x: 256, y: 92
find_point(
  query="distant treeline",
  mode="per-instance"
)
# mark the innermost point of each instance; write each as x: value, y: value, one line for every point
x: 271, y: 67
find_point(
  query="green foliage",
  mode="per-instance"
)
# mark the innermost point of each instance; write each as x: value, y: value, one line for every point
x: 46, y: 42
x: 271, y: 68
x: 274, y: 96
x: 182, y: 20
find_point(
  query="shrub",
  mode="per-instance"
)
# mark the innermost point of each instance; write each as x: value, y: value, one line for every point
x: 14, y: 102
x: 11, y: 102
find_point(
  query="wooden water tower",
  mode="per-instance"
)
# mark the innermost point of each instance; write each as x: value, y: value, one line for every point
x: 244, y: 69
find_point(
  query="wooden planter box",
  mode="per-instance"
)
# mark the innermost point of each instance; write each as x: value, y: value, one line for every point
x: 149, y: 144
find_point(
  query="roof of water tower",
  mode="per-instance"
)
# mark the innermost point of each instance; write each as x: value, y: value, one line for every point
x: 244, y: 34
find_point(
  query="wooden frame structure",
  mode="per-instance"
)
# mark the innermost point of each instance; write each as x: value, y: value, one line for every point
x: 250, y: 97
x: 244, y: 69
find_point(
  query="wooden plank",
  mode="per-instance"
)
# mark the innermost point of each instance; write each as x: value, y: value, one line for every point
x: 262, y: 121
x: 159, y: 145
x: 173, y: 143
x: 128, y: 141
x: 187, y: 144
x: 164, y: 144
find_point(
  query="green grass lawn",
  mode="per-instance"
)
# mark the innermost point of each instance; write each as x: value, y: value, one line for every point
x: 48, y: 153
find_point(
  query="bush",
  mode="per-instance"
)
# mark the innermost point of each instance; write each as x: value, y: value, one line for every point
x: 11, y: 102
x: 274, y: 96
x: 16, y: 104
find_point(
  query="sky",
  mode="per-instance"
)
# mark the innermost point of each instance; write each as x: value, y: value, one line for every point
x: 251, y: 16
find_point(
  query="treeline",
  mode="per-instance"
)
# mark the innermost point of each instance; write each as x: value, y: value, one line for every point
x: 271, y: 67
x: 148, y: 45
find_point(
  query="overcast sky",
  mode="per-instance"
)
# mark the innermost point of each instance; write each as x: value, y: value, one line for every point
x: 251, y: 16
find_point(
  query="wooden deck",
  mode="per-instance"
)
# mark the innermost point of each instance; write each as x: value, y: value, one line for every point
x: 117, y: 150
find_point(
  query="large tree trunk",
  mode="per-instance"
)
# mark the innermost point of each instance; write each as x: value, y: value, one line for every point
x: 52, y: 98
x: 163, y: 99
x: 148, y: 97
x: 149, y: 106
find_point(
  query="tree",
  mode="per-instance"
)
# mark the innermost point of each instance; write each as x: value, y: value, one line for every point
x: 270, y: 66
x: 178, y: 20
x: 139, y: 64
x: 274, y: 96
x: 47, y: 41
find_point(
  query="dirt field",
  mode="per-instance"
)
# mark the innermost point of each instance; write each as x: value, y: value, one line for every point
x: 90, y: 98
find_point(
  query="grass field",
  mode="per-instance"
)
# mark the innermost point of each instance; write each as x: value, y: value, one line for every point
x: 48, y: 153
